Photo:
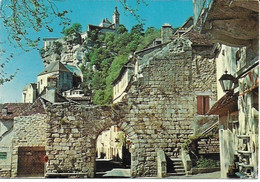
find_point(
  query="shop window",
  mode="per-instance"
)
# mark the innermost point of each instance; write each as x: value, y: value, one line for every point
x: 202, y: 104
x: 3, y: 155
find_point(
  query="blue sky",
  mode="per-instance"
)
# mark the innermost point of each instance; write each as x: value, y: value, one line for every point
x: 85, y: 12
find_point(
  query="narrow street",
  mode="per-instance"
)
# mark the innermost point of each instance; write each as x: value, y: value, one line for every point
x: 106, y: 168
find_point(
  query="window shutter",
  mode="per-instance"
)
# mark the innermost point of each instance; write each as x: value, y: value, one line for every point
x: 200, y: 105
x: 206, y: 104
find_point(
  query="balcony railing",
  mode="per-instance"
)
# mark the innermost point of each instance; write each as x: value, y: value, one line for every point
x: 199, y: 6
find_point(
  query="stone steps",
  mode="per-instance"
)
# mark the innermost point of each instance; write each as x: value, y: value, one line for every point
x: 178, y: 168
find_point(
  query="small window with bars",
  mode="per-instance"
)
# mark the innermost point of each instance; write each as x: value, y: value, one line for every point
x: 202, y: 104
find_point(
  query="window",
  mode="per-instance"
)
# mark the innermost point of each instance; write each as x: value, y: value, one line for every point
x: 202, y: 104
x: 3, y: 155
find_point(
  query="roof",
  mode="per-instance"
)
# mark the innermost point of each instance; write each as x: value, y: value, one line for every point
x: 23, y: 109
x: 74, y: 69
x: 188, y: 23
x: 34, y: 86
x: 80, y: 98
x: 14, y: 110
x: 96, y: 27
x: 46, y: 39
x: 54, y: 67
x: 226, y: 103
x: 197, y: 39
x: 37, y: 107
x: 116, y: 11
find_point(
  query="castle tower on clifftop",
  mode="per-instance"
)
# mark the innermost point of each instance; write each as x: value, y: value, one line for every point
x: 115, y: 18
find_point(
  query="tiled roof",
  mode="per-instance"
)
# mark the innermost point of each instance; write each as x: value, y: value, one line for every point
x: 53, y: 67
x: 38, y: 107
x: 80, y: 98
x: 14, y: 110
x: 22, y: 109
x: 198, y: 39
x: 224, y: 104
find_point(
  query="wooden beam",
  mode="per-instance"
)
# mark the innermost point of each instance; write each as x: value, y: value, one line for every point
x: 219, y: 37
x: 248, y: 4
x: 244, y: 29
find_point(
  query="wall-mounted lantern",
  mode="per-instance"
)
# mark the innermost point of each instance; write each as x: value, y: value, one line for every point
x: 227, y: 82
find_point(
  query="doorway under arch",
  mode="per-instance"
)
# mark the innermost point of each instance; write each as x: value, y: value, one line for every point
x: 113, y: 157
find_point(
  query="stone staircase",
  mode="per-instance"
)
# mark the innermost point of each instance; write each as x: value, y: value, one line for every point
x: 176, y: 167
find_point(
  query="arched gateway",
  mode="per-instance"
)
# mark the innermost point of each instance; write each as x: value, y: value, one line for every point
x: 72, y: 131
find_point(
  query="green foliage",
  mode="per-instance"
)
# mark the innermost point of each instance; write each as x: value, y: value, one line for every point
x: 137, y: 29
x: 110, y: 52
x: 75, y: 28
x: 207, y: 163
x: 57, y: 47
x: 121, y: 29
x: 150, y: 34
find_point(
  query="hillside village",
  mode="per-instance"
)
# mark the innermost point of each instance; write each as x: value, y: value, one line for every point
x: 184, y: 103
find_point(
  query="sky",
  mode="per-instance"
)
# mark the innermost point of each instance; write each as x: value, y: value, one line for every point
x: 155, y: 14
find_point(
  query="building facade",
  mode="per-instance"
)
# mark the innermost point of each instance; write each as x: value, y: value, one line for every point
x: 29, y: 93
x: 238, y: 108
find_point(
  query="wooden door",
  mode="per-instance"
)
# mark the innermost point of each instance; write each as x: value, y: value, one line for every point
x: 31, y: 161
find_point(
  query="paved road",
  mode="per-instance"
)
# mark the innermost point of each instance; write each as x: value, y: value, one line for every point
x: 213, y: 175
x: 112, y: 169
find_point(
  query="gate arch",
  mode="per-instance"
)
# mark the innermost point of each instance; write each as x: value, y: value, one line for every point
x: 71, y: 136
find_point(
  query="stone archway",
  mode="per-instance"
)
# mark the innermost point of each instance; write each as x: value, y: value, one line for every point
x: 71, y: 136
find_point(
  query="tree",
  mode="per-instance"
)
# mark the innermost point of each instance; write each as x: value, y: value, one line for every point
x: 138, y: 29
x: 76, y: 28
x: 21, y: 17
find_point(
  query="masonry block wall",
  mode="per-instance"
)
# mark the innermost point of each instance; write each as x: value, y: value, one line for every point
x: 29, y: 131
x: 163, y: 101
x: 157, y: 113
x: 72, y: 134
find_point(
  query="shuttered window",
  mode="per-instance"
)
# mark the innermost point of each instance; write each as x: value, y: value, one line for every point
x: 202, y: 104
x: 3, y: 155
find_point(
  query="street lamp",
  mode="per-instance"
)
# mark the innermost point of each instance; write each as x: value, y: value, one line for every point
x: 226, y: 82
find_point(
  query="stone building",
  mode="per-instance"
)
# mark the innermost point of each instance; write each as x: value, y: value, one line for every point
x: 156, y: 112
x: 8, y: 113
x: 64, y: 77
x: 234, y: 25
x: 29, y: 93
x: 106, y: 25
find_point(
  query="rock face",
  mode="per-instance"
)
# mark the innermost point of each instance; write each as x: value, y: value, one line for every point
x: 157, y: 113
x: 68, y: 50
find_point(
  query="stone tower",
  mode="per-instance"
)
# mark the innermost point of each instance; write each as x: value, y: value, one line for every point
x: 115, y: 18
x: 166, y: 32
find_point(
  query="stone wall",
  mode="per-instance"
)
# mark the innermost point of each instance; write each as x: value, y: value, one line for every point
x: 157, y: 113
x: 5, y: 173
x: 163, y: 101
x: 29, y: 131
x: 72, y: 134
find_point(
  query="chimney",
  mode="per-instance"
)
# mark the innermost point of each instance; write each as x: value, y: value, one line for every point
x: 51, y: 89
x: 166, y: 33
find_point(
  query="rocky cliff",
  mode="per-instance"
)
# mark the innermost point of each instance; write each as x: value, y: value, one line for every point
x: 69, y: 50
